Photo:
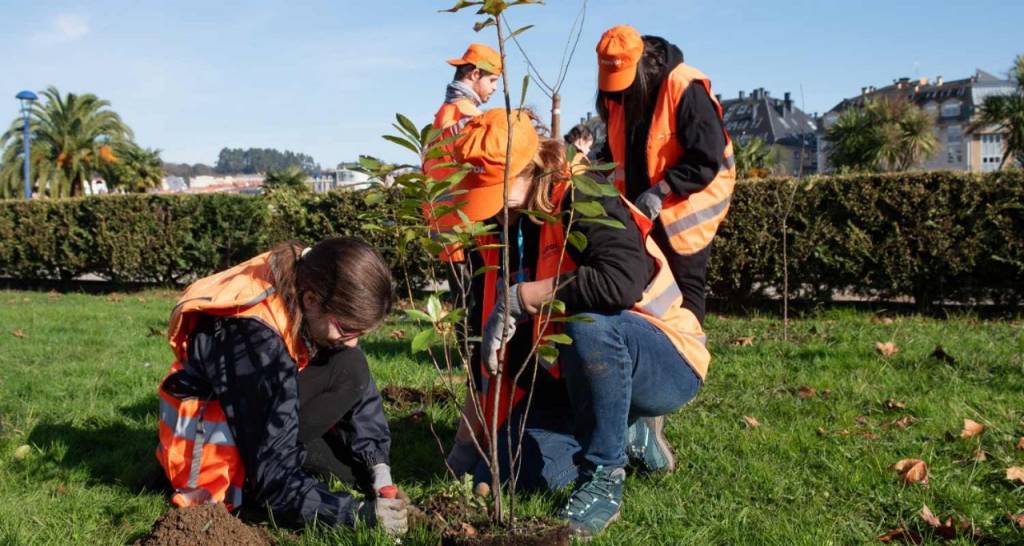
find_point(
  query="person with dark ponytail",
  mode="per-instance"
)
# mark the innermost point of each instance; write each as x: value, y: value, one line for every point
x: 269, y: 390
x: 673, y: 154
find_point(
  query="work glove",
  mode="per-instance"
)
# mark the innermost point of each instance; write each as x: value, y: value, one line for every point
x: 490, y: 339
x: 650, y: 201
x: 462, y: 458
x: 390, y: 514
x: 383, y: 485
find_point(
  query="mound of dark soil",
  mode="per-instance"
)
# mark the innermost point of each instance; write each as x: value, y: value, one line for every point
x: 206, y: 525
x: 407, y: 398
x: 464, y: 523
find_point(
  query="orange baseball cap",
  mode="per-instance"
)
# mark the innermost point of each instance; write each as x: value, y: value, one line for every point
x: 482, y: 144
x: 618, y: 53
x: 480, y: 56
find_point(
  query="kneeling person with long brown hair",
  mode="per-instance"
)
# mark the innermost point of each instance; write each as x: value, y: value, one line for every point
x: 269, y: 387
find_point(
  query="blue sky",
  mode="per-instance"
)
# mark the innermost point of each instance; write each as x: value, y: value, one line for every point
x: 325, y: 78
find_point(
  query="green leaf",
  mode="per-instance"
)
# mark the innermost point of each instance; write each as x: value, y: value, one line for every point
x: 486, y: 66
x: 489, y: 22
x: 369, y: 163
x: 547, y: 352
x: 589, y: 208
x: 408, y: 125
x: 434, y: 308
x: 485, y: 269
x: 546, y: 217
x: 586, y: 185
x: 423, y: 340
x: 602, y: 166
x: 526, y: 84
x: 461, y: 4
x: 561, y: 339
x: 610, y: 222
x: 402, y: 142
x: 372, y: 198
x: 577, y: 240
x: 519, y: 31
x: 416, y: 314
x: 558, y: 306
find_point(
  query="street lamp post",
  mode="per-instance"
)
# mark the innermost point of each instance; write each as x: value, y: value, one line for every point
x: 27, y: 98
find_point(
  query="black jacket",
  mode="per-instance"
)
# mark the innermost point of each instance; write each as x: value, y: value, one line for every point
x: 248, y: 368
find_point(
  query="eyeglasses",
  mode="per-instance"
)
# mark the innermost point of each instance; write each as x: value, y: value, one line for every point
x: 346, y: 335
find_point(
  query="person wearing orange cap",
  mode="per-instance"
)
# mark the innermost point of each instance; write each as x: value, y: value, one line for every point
x: 635, y: 350
x: 674, y: 156
x: 476, y: 78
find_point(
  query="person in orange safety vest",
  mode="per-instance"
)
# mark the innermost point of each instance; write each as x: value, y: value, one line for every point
x: 269, y: 388
x: 674, y: 157
x: 636, y: 352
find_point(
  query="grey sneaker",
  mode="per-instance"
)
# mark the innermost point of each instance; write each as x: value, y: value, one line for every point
x: 647, y: 447
x: 594, y: 504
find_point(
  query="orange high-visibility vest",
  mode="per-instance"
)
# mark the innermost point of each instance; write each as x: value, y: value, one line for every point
x: 661, y: 303
x: 197, y: 450
x: 448, y: 119
x: 690, y: 222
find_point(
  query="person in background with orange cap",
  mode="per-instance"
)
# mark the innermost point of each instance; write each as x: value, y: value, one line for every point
x: 674, y: 156
x: 476, y: 78
x: 635, y: 350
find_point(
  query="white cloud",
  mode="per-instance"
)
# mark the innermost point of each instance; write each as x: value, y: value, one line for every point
x: 64, y: 28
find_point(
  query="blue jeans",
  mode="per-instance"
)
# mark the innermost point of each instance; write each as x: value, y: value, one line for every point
x: 619, y: 367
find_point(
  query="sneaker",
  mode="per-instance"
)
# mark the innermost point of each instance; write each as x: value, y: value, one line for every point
x: 594, y: 504
x: 647, y: 447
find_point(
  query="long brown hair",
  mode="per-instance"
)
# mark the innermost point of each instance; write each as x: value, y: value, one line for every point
x: 547, y: 169
x: 638, y: 99
x: 347, y: 275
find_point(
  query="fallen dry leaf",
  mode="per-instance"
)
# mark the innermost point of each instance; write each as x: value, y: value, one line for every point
x: 900, y: 534
x: 892, y: 404
x: 881, y: 320
x: 751, y: 422
x: 23, y: 451
x: 862, y: 421
x: 980, y: 455
x: 826, y: 393
x: 743, y: 341
x: 1015, y: 473
x: 929, y: 517
x: 1017, y: 519
x: 1020, y: 444
x: 397, y: 334
x: 18, y: 333
x: 869, y: 436
x: 903, y: 422
x: 468, y: 530
x: 912, y: 470
x: 971, y: 428
x: 482, y: 489
x: 806, y: 392
x: 950, y: 528
x: 822, y: 431
x: 886, y: 349
x: 942, y: 356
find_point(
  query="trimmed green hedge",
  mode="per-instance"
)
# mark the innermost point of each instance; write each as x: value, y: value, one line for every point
x: 934, y: 236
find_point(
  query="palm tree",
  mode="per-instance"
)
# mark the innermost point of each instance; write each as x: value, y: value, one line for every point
x: 74, y: 136
x: 1006, y: 113
x: 883, y: 135
x: 754, y: 158
x: 135, y: 169
x: 293, y: 178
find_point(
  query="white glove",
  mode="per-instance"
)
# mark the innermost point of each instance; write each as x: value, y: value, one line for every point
x: 383, y: 485
x: 650, y: 201
x: 490, y: 339
x: 391, y: 514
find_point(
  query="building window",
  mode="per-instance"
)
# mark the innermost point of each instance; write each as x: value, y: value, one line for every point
x: 932, y: 108
x: 991, y: 152
x: 951, y: 109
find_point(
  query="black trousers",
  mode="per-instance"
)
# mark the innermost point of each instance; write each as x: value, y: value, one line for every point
x: 329, y: 388
x: 690, y: 272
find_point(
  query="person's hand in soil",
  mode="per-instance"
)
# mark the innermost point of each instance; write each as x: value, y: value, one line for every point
x: 390, y: 514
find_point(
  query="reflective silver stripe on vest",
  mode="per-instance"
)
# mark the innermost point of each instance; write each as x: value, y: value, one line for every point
x: 660, y: 305
x: 696, y: 218
x: 259, y: 297
x: 183, y: 426
x: 197, y: 449
x: 219, y: 433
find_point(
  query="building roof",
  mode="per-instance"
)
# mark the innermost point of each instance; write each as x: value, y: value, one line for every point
x: 773, y: 120
x: 970, y: 91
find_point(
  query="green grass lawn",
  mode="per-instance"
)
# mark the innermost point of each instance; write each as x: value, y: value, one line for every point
x: 78, y: 375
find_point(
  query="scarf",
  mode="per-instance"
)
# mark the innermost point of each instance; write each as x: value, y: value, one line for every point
x: 458, y: 90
